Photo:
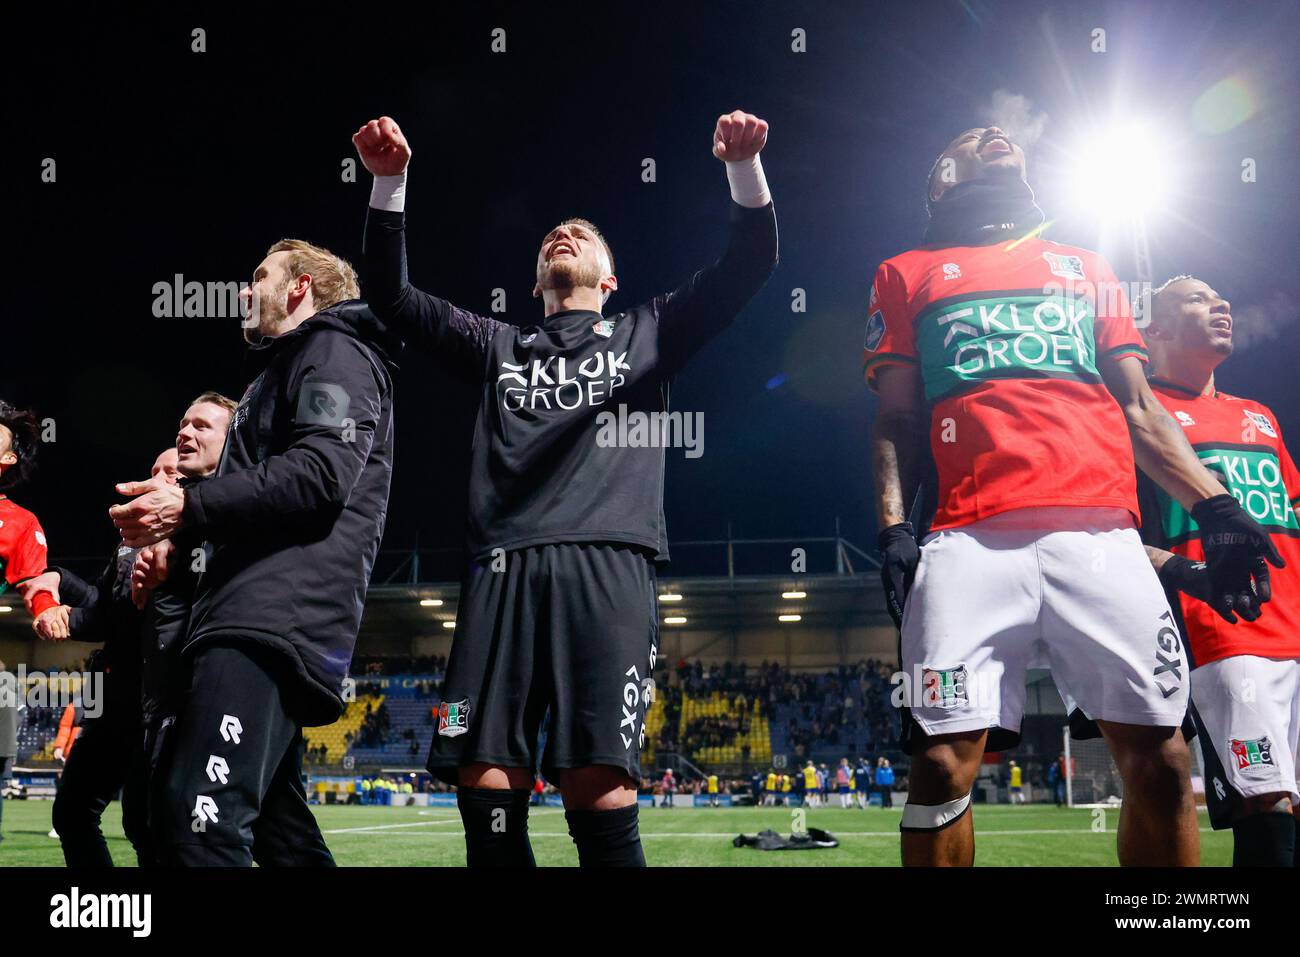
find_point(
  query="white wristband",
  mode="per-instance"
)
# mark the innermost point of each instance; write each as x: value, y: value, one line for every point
x: 389, y: 193
x: 748, y: 184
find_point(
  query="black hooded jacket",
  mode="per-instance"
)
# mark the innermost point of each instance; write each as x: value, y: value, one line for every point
x: 102, y: 610
x: 293, y: 517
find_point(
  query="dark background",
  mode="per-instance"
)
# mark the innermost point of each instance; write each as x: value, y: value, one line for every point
x: 177, y: 162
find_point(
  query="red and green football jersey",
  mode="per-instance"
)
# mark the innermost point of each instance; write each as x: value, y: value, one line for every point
x: 1007, y: 338
x: 1239, y: 440
x: 22, y: 550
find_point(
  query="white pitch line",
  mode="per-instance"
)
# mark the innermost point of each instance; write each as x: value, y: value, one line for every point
x: 389, y: 827
x: 379, y: 828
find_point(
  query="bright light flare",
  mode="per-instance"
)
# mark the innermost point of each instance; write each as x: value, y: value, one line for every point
x: 1122, y: 172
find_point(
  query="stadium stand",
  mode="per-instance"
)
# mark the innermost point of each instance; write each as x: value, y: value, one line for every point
x: 729, y: 718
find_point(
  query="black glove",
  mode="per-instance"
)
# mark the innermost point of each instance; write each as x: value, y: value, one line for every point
x: 1189, y: 577
x: 900, y: 555
x: 1236, y: 550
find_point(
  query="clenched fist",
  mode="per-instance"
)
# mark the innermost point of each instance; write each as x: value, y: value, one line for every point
x: 738, y: 136
x: 382, y: 147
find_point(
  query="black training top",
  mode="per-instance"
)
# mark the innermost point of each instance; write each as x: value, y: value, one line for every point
x: 562, y: 447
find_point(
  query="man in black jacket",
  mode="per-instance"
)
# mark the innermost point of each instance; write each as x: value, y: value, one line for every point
x: 293, y: 517
x: 140, y: 612
x: 108, y: 758
x: 558, y: 612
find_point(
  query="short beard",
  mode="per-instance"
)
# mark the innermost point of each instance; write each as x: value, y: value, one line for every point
x: 268, y: 311
x: 568, y: 275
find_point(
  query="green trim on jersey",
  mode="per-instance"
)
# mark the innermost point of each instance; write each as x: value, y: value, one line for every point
x: 1129, y: 349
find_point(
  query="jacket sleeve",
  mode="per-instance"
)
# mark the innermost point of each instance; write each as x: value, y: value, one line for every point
x: 694, y: 313
x: 75, y: 590
x: 456, y: 336
x: 335, y: 390
x: 90, y: 603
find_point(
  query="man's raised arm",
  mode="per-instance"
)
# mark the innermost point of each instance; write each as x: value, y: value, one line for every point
x: 432, y: 324
x: 713, y: 297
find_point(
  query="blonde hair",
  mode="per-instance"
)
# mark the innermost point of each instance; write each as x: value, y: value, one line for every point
x: 332, y: 277
x: 216, y: 398
x: 600, y: 237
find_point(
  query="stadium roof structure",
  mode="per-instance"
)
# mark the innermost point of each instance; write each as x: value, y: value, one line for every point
x: 726, y: 584
x: 707, y: 603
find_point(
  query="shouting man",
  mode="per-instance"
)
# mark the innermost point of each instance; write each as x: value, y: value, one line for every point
x: 558, y: 608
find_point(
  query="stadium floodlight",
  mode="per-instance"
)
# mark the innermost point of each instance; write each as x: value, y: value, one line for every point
x: 430, y: 602
x: 789, y: 617
x: 5, y: 609
x: 794, y: 594
x: 449, y: 624
x: 1122, y: 172
x: 675, y: 620
x: 670, y: 596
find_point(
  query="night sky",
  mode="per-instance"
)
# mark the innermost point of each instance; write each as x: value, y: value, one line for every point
x: 170, y: 161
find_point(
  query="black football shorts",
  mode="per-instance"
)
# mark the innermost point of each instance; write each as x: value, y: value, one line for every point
x: 570, y: 629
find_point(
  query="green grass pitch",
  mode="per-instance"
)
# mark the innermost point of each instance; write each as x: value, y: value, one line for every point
x: 1030, y: 836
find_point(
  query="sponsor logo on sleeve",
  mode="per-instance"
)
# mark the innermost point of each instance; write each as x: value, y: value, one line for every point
x: 322, y: 403
x: 875, y: 331
x: 1184, y: 419
x: 951, y: 271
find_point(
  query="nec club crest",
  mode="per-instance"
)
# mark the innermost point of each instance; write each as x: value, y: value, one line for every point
x: 945, y: 688
x: 453, y: 718
x: 1261, y: 422
x: 1252, y: 753
x: 1067, y: 267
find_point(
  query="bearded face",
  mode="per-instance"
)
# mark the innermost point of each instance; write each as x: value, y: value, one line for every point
x: 267, y: 300
x: 571, y: 257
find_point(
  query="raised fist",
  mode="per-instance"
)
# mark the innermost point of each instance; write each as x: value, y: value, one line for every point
x: 382, y: 147
x: 738, y: 136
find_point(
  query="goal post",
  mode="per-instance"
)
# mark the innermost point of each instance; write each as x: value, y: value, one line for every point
x: 1092, y: 778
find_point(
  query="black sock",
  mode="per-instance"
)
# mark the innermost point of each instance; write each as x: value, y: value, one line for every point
x: 1267, y: 839
x: 496, y: 827
x: 606, y: 838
